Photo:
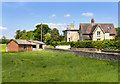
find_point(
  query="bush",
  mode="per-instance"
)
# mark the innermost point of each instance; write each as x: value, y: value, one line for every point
x: 105, y: 44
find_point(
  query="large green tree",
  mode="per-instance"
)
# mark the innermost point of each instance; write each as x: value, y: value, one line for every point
x: 19, y: 33
x: 61, y: 37
x: 28, y: 35
x: 55, y: 34
x: 37, y: 32
x: 3, y: 40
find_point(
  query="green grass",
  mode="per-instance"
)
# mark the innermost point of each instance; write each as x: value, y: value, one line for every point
x: 2, y: 47
x: 48, y: 66
x: 50, y: 46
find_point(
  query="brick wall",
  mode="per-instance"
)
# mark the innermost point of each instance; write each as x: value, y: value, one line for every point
x: 84, y: 49
x: 21, y: 47
x: 12, y: 46
x: 29, y: 48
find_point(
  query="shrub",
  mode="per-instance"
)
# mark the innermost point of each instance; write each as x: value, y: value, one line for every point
x: 105, y: 44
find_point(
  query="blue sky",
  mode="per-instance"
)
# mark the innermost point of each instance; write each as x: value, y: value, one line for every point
x: 25, y: 15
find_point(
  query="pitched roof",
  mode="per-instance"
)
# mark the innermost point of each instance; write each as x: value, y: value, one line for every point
x: 86, y: 37
x: 34, y: 41
x: 20, y: 41
x: 88, y: 28
x: 25, y: 42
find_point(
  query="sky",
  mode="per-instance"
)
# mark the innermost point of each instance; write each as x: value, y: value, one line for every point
x: 25, y: 15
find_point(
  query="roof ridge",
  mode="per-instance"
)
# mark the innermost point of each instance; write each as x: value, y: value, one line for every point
x: 97, y: 23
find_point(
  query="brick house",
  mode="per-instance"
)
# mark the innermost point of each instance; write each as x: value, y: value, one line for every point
x: 24, y: 45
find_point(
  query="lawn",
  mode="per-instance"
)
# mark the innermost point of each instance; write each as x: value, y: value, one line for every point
x: 2, y: 47
x: 48, y: 66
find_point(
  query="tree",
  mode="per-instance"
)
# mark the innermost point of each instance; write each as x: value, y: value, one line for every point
x: 55, y: 34
x: 17, y: 36
x: 117, y: 30
x: 19, y: 33
x: 61, y: 38
x: 3, y: 39
x: 22, y: 32
x: 28, y: 35
x: 37, y: 32
x: 48, y: 40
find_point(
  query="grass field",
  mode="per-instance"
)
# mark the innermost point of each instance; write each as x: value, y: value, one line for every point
x: 48, y: 66
x: 2, y: 47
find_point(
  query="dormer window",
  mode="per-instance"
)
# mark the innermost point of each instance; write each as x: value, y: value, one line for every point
x: 98, y: 33
x: 109, y: 27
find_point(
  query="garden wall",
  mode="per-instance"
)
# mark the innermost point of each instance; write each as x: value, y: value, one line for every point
x: 63, y: 47
x: 102, y: 56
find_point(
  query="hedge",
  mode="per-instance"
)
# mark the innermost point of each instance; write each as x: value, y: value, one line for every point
x: 105, y: 44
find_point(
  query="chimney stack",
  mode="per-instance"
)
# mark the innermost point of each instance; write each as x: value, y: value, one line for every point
x: 92, y: 21
x: 72, y: 26
x: 67, y: 27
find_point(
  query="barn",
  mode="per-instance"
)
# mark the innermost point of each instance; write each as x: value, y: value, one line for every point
x: 24, y: 45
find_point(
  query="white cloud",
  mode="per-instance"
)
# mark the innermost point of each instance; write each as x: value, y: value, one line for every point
x: 3, y: 28
x: 59, y: 26
x: 67, y: 15
x: 53, y: 16
x: 54, y: 25
x: 87, y: 14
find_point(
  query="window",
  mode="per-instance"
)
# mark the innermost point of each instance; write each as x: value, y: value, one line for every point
x: 98, y: 32
x: 69, y: 32
x: 40, y: 46
x: 34, y: 46
x: 25, y: 47
x: 69, y: 39
x: 109, y: 27
x: 98, y: 39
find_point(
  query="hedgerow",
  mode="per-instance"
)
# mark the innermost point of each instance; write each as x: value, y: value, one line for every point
x: 105, y: 44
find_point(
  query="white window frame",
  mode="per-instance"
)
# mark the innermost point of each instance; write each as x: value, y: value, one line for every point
x: 98, y: 33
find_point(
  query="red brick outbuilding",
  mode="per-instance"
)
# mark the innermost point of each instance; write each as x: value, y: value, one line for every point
x: 19, y: 45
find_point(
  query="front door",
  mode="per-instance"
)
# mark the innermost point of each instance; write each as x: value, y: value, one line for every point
x: 25, y: 47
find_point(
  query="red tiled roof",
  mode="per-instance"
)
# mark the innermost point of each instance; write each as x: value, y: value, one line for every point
x: 88, y: 28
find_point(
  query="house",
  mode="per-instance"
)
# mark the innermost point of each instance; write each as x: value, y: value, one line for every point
x: 24, y: 45
x: 71, y: 33
x: 97, y: 31
x: 90, y: 31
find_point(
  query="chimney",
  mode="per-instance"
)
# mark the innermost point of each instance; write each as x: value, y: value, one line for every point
x: 92, y: 21
x: 72, y: 26
x: 67, y: 27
